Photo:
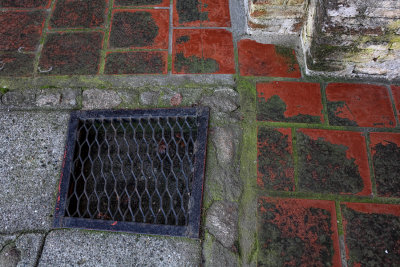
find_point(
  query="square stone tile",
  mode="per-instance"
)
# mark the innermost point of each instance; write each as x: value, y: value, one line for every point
x: 333, y: 162
x: 372, y: 234
x: 256, y: 59
x: 297, y: 232
x: 363, y: 105
x: 275, y: 168
x: 203, y: 51
x: 16, y: 64
x: 385, y: 152
x: 141, y: 28
x: 289, y: 102
x: 136, y: 63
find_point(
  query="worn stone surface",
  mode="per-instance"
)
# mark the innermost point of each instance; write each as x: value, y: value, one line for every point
x: 214, y: 254
x: 5, y: 239
x: 32, y: 148
x: 221, y: 222
x: 224, y: 142
x: 223, y: 100
x: 100, y: 99
x: 149, y: 98
x: 84, y: 248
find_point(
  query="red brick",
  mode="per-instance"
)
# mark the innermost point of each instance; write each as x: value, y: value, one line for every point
x: 141, y: 28
x: 71, y: 53
x: 25, y: 3
x: 21, y: 29
x: 333, y: 162
x: 136, y: 63
x: 396, y: 95
x: 364, y: 105
x: 297, y: 232
x: 297, y: 102
x: 206, y: 13
x: 385, y: 152
x: 257, y: 59
x: 203, y: 51
x: 275, y: 168
x: 142, y: 3
x: 78, y: 14
x: 16, y: 64
x: 372, y: 234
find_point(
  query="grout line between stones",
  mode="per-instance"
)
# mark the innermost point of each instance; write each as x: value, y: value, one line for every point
x: 339, y: 217
x: 370, y: 165
x: 393, y: 102
x: 107, y: 29
x: 40, y: 252
x: 295, y: 159
x: 324, y: 104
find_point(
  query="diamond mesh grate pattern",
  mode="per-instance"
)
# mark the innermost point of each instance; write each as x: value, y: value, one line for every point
x: 134, y: 167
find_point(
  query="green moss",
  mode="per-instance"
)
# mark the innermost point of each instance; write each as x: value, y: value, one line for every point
x: 334, y: 108
x: 4, y: 90
x: 289, y: 56
x: 194, y: 64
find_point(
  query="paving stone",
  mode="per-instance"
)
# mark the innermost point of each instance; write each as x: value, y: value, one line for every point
x: 21, y: 29
x: 256, y: 59
x: 19, y: 98
x: 333, y: 162
x: 215, y: 254
x: 222, y: 222
x: 100, y: 99
x: 32, y: 146
x: 297, y: 232
x: 85, y: 248
x: 275, y: 167
x: 28, y: 247
x: 149, y: 98
x: 205, y: 13
x: 289, y: 102
x: 396, y: 96
x: 78, y: 14
x: 225, y: 144
x: 16, y: 64
x: 71, y: 53
x: 363, y: 105
x: 372, y: 234
x: 385, y: 152
x: 140, y: 29
x: 6, y: 239
x: 141, y: 3
x: 25, y: 3
x: 136, y: 63
x: 202, y: 51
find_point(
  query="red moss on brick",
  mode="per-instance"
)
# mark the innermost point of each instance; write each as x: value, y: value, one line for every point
x: 203, y: 51
x: 142, y: 3
x: 25, y: 3
x: 302, y: 100
x: 297, y: 232
x: 21, y: 29
x: 257, y: 59
x: 364, y: 105
x: 318, y: 170
x: 141, y: 28
x: 78, y: 14
x: 16, y: 64
x: 396, y: 95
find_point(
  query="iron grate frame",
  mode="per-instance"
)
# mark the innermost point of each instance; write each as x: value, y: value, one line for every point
x: 190, y: 229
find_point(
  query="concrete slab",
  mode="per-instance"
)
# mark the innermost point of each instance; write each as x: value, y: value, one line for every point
x: 89, y: 248
x: 31, y: 149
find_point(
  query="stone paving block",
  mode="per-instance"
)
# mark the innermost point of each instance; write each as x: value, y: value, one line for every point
x: 71, y: 53
x: 78, y: 14
x: 396, y: 96
x: 203, y: 51
x: 363, y: 105
x: 25, y: 3
x: 385, y: 152
x: 289, y: 102
x: 142, y: 28
x: 86, y: 248
x: 372, y: 234
x: 32, y: 147
x: 297, y: 232
x: 21, y: 30
x: 100, y: 99
x: 142, y: 3
x: 16, y: 64
x: 256, y: 59
x: 205, y: 13
x: 333, y: 162
x: 275, y: 168
x: 136, y: 63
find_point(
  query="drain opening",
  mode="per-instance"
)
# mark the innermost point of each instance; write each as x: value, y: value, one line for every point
x: 139, y: 171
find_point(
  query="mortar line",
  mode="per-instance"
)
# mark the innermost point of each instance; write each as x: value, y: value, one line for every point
x: 370, y: 165
x: 40, y: 252
x: 42, y: 39
x: 393, y: 102
x: 340, y: 228
x: 107, y: 32
x: 339, y: 217
x: 324, y: 103
x: 295, y: 159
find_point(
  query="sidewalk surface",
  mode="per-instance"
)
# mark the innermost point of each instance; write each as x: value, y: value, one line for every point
x: 300, y: 171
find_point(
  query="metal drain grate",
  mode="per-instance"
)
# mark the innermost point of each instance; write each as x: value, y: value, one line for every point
x: 139, y: 171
